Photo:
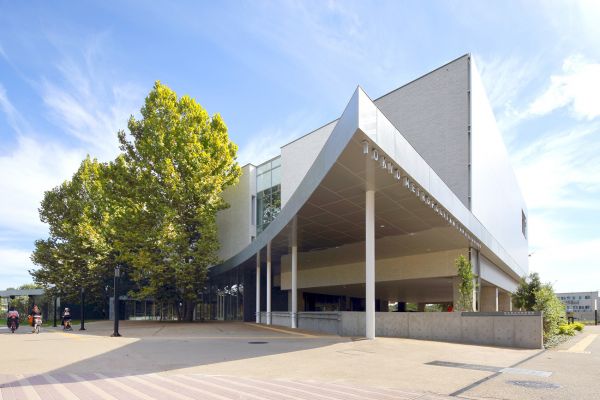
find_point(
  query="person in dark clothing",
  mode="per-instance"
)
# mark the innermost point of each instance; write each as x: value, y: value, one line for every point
x: 13, y: 315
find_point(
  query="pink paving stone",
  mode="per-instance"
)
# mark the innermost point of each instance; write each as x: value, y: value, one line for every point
x: 77, y: 388
x: 393, y: 393
x: 255, y: 391
x: 343, y: 393
x: 11, y: 389
x: 147, y: 390
x: 283, y: 388
x: 44, y: 389
x: 178, y: 389
x: 303, y: 393
x: 219, y: 391
x: 108, y: 387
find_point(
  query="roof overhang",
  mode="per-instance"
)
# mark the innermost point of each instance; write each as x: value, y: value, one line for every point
x: 365, y: 151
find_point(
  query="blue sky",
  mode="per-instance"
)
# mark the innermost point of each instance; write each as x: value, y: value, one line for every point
x: 72, y: 72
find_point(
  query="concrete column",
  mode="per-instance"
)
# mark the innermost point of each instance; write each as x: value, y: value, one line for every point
x: 258, y: 287
x: 489, y: 299
x: 504, y: 301
x: 421, y: 307
x: 269, y: 283
x: 370, y: 264
x: 294, y: 314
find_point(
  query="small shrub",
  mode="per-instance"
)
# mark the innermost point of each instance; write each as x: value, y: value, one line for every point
x: 553, y: 310
x: 578, y: 326
x: 566, y: 329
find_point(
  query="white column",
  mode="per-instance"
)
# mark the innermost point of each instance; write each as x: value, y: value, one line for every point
x: 370, y: 264
x: 258, y: 287
x: 294, y: 315
x: 269, y: 283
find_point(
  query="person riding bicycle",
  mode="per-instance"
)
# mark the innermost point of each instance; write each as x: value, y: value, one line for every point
x: 66, y: 319
x: 13, y: 315
x: 36, y: 315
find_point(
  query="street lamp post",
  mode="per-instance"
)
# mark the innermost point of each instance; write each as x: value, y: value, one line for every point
x: 82, y: 328
x: 55, y: 306
x: 52, y: 287
x: 116, y: 302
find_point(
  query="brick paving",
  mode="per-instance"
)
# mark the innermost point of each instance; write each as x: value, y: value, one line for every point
x: 92, y: 386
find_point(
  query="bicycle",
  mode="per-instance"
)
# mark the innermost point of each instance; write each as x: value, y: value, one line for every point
x: 37, y: 324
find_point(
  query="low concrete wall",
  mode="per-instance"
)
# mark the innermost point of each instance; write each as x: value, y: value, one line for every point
x: 328, y: 322
x: 506, y: 329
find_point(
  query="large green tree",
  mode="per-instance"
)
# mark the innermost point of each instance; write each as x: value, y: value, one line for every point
x: 180, y: 160
x: 77, y: 255
x: 152, y: 210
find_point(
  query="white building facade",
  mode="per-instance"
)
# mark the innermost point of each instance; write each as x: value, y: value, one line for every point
x: 582, y: 305
x: 374, y: 208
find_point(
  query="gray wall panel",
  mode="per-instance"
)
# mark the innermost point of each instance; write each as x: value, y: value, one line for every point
x: 432, y: 113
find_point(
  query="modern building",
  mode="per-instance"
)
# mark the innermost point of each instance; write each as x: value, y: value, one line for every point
x: 374, y: 208
x: 581, y: 304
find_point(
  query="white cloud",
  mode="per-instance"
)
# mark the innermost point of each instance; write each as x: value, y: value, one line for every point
x: 571, y: 266
x: 578, y: 87
x: 12, y: 116
x: 32, y: 168
x: 267, y: 143
x: 88, y: 108
x: 13, y: 267
x: 561, y: 170
x: 505, y: 77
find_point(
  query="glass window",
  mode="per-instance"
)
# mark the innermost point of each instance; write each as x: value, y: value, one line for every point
x: 263, y: 181
x: 276, y: 162
x: 263, y: 168
x: 252, y: 210
x: 276, y: 176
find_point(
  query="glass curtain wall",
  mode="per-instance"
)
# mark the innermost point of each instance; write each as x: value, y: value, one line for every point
x: 268, y: 193
x: 227, y: 296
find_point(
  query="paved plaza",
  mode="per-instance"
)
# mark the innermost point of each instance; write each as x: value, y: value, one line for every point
x: 245, y: 361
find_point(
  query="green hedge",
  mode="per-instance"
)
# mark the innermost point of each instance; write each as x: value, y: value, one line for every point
x: 566, y: 329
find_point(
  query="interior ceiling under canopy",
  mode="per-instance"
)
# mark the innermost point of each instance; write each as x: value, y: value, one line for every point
x: 334, y: 214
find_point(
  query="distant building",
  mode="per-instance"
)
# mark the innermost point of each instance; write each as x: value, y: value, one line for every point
x: 581, y: 304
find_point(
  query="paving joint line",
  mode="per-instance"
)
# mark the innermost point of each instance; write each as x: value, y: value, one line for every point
x: 494, y: 375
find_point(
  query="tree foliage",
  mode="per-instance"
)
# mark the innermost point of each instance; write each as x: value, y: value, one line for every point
x: 77, y: 254
x: 533, y: 295
x: 181, y: 160
x: 152, y: 209
x: 466, y: 284
x: 553, y: 310
x: 525, y: 296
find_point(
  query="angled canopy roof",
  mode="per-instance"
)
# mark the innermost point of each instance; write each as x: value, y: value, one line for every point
x: 365, y: 151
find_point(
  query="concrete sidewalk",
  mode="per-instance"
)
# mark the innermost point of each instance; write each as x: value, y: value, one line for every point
x: 237, y: 352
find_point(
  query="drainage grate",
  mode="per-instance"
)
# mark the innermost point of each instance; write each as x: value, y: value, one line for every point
x: 258, y: 342
x: 535, y: 384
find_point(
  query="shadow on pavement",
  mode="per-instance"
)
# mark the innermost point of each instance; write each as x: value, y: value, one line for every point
x: 166, y: 346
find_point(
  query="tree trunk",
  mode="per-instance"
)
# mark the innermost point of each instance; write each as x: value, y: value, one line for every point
x: 189, y: 306
x: 178, y: 309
